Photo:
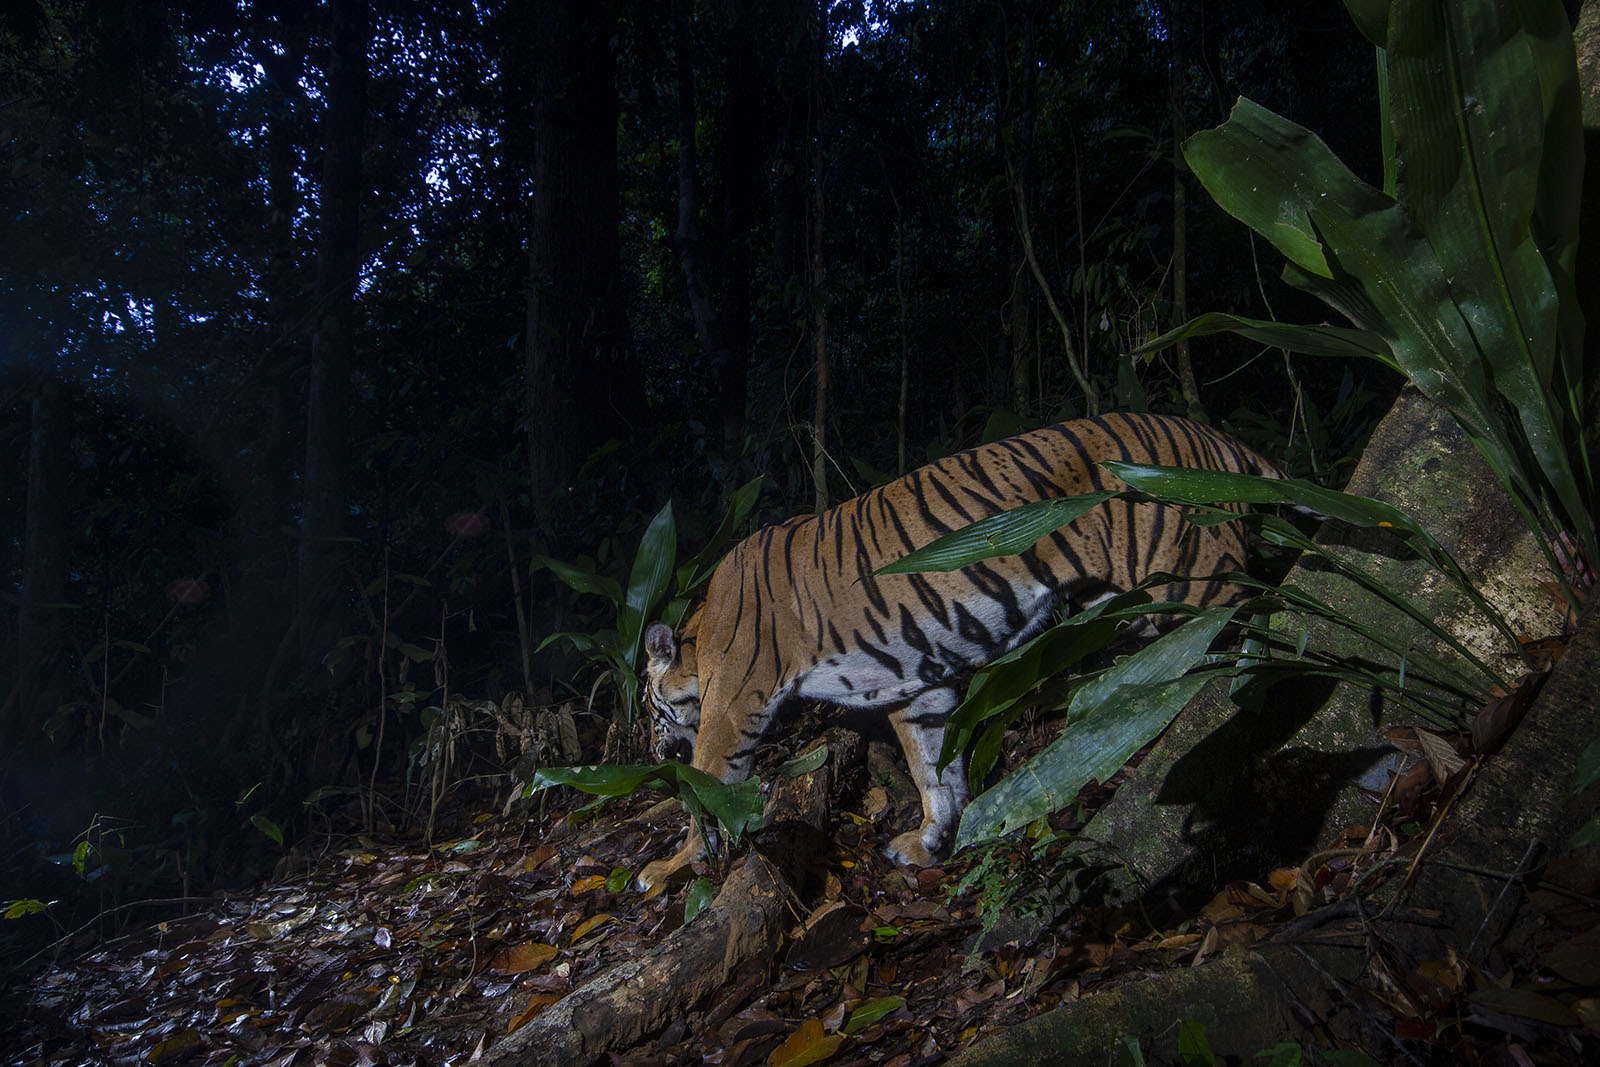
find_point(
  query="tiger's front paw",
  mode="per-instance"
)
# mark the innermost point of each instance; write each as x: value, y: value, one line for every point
x: 908, y: 849
x: 658, y: 873
x: 663, y: 871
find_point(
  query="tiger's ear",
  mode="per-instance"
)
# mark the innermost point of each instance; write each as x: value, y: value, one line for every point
x: 661, y: 644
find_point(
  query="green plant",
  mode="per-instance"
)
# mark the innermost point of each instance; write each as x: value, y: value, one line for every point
x: 1464, y: 287
x: 1114, y: 714
x: 1009, y: 877
x: 736, y: 806
x: 652, y: 575
x: 1458, y: 273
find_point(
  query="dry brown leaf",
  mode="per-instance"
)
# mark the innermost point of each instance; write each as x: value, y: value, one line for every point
x: 1404, y: 739
x: 968, y: 999
x: 588, y: 925
x: 536, y: 858
x: 536, y: 1003
x: 1498, y: 718
x: 806, y: 1045
x: 518, y: 959
x: 1222, y: 908
x: 1441, y: 755
x: 875, y: 803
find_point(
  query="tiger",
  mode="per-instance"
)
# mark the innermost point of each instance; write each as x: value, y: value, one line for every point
x: 795, y: 611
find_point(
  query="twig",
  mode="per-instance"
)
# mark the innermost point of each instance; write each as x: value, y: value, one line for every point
x: 1513, y: 879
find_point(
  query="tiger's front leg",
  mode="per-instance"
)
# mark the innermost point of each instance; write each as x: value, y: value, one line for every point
x: 661, y: 871
x: 717, y: 738
x: 920, y: 727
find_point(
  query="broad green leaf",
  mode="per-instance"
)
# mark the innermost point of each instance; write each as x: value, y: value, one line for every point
x: 806, y: 763
x: 1588, y: 767
x: 268, y: 827
x: 701, y: 894
x: 1170, y: 656
x: 1006, y: 534
x: 736, y: 805
x: 1090, y: 750
x: 1464, y: 76
x: 1371, y: 17
x: 1123, y: 710
x: 1283, y: 1054
x: 1337, y: 341
x: 1281, y: 180
x: 604, y: 779
x: 581, y: 580
x: 16, y: 909
x: 1193, y: 1048
x: 647, y: 584
x: 744, y: 501
x: 1190, y: 485
x: 870, y: 1011
x: 1002, y: 683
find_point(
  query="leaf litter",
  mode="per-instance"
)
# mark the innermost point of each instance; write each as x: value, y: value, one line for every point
x: 390, y: 952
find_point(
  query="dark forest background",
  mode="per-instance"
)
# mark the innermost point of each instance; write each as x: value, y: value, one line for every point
x: 321, y: 323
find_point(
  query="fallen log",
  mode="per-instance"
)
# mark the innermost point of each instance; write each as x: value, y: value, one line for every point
x: 633, y: 1000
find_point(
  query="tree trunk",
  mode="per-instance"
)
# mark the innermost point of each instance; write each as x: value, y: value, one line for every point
x: 740, y: 128
x: 44, y: 571
x: 711, y: 326
x: 1180, y: 217
x: 1009, y: 286
x: 819, y: 299
x: 581, y: 387
x: 338, y: 262
x: 1022, y: 348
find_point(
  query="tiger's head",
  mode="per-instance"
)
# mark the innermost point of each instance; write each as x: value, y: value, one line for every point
x: 672, y: 689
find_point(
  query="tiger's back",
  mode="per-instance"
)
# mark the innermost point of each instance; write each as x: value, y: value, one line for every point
x: 794, y: 610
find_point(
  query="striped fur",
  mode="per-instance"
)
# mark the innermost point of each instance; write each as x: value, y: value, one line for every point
x: 793, y: 610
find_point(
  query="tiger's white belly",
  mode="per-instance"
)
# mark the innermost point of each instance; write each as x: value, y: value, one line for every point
x: 858, y: 678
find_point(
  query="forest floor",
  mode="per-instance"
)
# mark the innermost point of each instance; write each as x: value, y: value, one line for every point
x: 389, y: 951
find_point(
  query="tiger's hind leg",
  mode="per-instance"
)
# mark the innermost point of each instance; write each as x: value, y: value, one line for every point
x: 920, y: 727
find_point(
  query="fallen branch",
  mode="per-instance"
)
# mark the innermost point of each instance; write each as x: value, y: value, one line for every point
x: 635, y: 999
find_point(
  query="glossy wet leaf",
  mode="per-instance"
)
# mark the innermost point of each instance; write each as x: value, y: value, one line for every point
x: 1005, y: 534
x: 1112, y: 717
x: 737, y: 805
x: 806, y: 763
x: 699, y: 897
x: 868, y: 1012
x: 647, y: 582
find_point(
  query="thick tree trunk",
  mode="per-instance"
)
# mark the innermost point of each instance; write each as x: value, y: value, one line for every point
x: 714, y: 327
x: 338, y: 262
x: 581, y: 387
x: 44, y: 570
x: 818, y: 276
x: 739, y: 163
x: 1180, y: 217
